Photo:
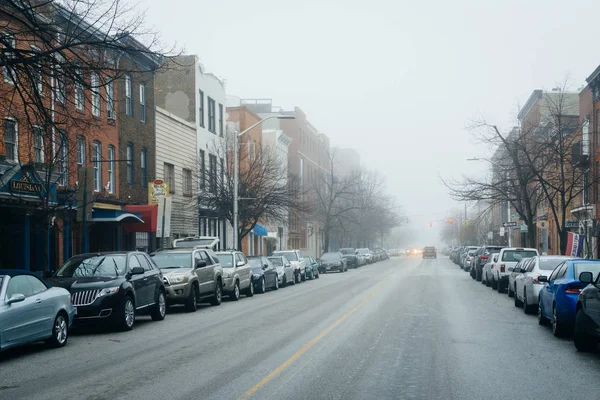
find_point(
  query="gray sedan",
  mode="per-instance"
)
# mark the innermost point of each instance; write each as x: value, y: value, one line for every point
x: 31, y: 310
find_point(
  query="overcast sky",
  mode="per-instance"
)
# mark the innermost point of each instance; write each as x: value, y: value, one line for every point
x: 398, y: 80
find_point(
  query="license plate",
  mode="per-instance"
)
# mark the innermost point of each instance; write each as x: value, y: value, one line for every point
x: 328, y: 268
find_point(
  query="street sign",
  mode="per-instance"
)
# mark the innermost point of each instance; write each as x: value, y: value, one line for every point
x: 524, y: 228
x: 490, y: 235
x: 515, y: 216
x: 509, y: 224
x: 501, y: 231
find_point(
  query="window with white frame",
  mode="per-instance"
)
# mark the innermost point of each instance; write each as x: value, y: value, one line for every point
x: 130, y: 163
x: 221, y: 119
x: 211, y: 116
x: 142, y: 102
x: 97, y: 158
x: 36, y: 73
x: 111, y: 169
x: 80, y: 151
x: 187, y: 182
x: 170, y: 176
x: 128, y: 96
x: 144, y: 166
x: 61, y: 87
x: 38, y: 144
x: 201, y: 108
x: 110, y: 99
x: 11, y: 140
x: 9, y: 44
x: 95, y: 82
x: 62, y: 154
x: 79, y: 92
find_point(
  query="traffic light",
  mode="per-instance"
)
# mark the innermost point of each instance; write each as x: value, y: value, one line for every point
x: 451, y: 220
x: 430, y: 224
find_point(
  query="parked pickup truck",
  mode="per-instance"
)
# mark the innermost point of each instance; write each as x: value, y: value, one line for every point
x: 508, y: 258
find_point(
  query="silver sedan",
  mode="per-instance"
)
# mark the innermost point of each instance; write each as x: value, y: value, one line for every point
x: 31, y: 310
x: 486, y: 274
x: 285, y: 270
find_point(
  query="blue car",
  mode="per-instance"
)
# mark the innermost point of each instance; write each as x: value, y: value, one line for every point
x: 558, y: 299
x: 31, y: 310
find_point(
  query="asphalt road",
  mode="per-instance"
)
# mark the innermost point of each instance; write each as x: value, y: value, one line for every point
x: 399, y: 329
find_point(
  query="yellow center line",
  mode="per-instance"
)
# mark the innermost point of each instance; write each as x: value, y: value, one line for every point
x: 307, y: 346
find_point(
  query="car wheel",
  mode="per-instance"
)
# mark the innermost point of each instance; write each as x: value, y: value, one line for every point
x: 518, y: 302
x: 540, y: 315
x: 250, y: 291
x: 318, y: 274
x: 276, y: 287
x: 478, y: 275
x: 218, y: 296
x: 526, y: 305
x: 494, y: 284
x: 60, y: 330
x: 582, y: 340
x: 127, y: 315
x: 284, y: 280
x: 558, y: 328
x: 191, y: 304
x: 263, y: 286
x: 303, y: 277
x: 510, y: 292
x: 160, y: 308
x: 499, y: 286
x: 235, y: 295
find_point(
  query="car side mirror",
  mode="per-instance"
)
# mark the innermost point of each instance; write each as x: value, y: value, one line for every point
x: 586, y: 277
x: 137, y: 271
x: 201, y: 264
x: 239, y: 264
x: 265, y: 266
x: 15, y: 298
x: 542, y: 278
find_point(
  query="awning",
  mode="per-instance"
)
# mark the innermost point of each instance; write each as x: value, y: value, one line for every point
x: 260, y: 230
x: 149, y: 213
x: 99, y: 215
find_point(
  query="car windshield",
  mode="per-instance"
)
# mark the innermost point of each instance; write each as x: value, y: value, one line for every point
x: 347, y: 251
x: 226, y: 260
x: 330, y: 256
x: 363, y: 251
x: 592, y: 267
x: 109, y: 266
x: 517, y: 255
x: 548, y: 264
x: 276, y: 261
x: 254, y: 262
x: 290, y: 255
x: 172, y: 260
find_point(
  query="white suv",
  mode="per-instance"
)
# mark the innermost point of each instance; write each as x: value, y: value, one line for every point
x: 297, y: 260
x: 508, y: 258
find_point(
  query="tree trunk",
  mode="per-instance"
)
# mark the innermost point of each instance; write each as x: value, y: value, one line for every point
x: 563, y: 235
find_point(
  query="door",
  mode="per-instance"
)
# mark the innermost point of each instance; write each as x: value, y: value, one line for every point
x: 205, y: 274
x: 151, y: 277
x: 244, y: 271
x: 270, y: 272
x: 20, y: 321
x: 548, y: 292
x: 139, y: 282
x: 45, y: 303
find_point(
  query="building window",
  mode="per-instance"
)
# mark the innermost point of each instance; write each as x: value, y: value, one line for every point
x: 211, y: 116
x: 97, y: 158
x: 202, y: 170
x: 11, y: 139
x: 128, y: 96
x: 212, y: 173
x: 80, y: 151
x: 110, y: 99
x: 36, y: 74
x: 170, y: 176
x: 63, y: 159
x: 10, y: 44
x: 130, y: 164
x: 95, y: 81
x: 144, y: 167
x: 61, y: 87
x: 38, y: 144
x: 221, y: 119
x: 111, y: 169
x: 79, y: 93
x: 142, y: 102
x: 187, y: 182
x: 201, y: 109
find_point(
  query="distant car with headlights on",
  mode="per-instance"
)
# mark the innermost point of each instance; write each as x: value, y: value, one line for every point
x: 31, y: 310
x: 349, y: 255
x: 333, y: 261
x: 285, y: 271
x: 237, y: 274
x: 191, y: 275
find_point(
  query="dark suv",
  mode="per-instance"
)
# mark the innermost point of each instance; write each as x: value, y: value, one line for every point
x: 429, y: 252
x: 113, y: 286
x: 191, y: 275
x: 350, y: 257
x: 480, y: 258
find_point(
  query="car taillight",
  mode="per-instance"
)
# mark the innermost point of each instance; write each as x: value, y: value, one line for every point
x: 484, y: 258
x: 468, y: 258
x: 502, y: 266
x: 573, y: 290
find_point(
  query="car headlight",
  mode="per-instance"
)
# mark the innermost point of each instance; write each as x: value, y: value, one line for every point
x: 179, y: 278
x: 108, y: 291
x: 256, y: 276
x: 227, y: 274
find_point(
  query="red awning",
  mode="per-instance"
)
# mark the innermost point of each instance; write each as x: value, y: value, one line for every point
x: 149, y: 215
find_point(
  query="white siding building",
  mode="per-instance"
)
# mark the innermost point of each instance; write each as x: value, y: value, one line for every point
x: 176, y: 164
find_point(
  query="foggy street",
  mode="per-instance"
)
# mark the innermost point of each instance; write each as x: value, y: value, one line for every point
x: 402, y: 328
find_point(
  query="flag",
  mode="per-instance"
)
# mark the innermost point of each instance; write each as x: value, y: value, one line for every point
x: 574, y: 244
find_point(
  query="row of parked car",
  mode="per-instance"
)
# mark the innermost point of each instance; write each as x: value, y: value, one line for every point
x: 563, y: 291
x: 113, y: 288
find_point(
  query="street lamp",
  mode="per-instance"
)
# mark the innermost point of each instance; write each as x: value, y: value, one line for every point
x: 236, y: 171
x: 507, y: 202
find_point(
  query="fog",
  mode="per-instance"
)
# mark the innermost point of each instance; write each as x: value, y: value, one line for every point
x: 398, y: 80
